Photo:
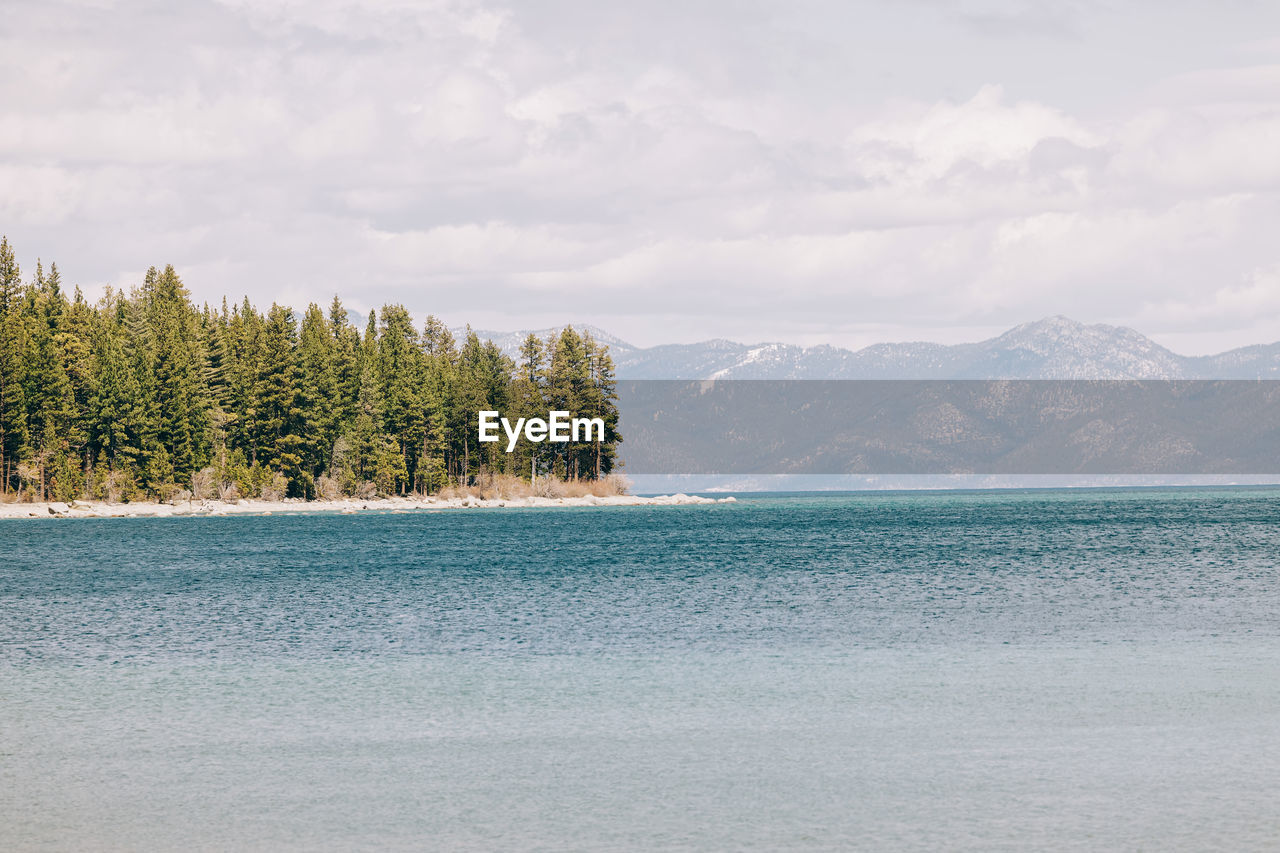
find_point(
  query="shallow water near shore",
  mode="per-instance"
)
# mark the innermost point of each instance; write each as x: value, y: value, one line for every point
x: 961, y: 670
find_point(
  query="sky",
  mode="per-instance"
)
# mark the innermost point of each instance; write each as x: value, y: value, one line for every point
x: 804, y: 171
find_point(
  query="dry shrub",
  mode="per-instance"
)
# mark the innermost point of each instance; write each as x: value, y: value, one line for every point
x: 614, y: 484
x: 29, y: 476
x: 116, y: 487
x: 489, y: 487
x: 228, y: 492
x: 171, y: 493
x: 508, y: 487
x: 328, y: 488
x: 549, y: 487
x: 275, y: 489
x: 204, y: 484
x: 499, y: 487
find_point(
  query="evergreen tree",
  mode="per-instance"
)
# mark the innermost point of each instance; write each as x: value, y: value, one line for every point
x: 75, y: 340
x: 116, y: 408
x: 399, y: 369
x: 470, y: 396
x: 13, y: 406
x: 568, y: 389
x: 317, y: 391
x: 46, y: 388
x: 346, y: 367
x: 528, y: 400
x: 215, y: 327
x: 137, y: 394
x: 364, y: 443
x: 181, y: 397
x: 603, y: 403
x: 276, y: 395
x: 244, y: 360
x: 148, y: 458
x: 440, y: 371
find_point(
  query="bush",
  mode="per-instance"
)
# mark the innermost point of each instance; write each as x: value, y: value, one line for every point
x: 489, y: 486
x: 119, y: 486
x: 276, y: 488
x: 167, y: 492
x: 328, y: 488
x: 29, y: 479
x: 204, y: 484
x: 616, y: 483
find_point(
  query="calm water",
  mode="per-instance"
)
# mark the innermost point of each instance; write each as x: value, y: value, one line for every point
x: 968, y: 671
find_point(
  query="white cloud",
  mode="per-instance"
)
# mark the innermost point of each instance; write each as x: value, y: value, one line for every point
x: 728, y: 169
x: 37, y: 195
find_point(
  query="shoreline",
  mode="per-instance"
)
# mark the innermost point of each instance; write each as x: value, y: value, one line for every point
x: 346, y: 506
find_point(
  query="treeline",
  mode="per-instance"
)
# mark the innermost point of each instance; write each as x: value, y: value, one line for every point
x: 146, y: 395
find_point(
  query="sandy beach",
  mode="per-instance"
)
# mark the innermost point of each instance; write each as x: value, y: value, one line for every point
x: 103, y: 509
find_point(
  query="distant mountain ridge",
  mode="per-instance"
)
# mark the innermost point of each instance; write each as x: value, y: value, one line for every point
x: 1052, y: 348
x: 509, y: 342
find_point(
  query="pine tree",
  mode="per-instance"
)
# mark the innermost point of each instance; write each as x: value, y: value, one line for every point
x: 399, y: 368
x: 528, y: 399
x: 603, y: 404
x: 244, y: 363
x: 470, y: 396
x: 364, y: 442
x: 216, y: 329
x: 148, y: 456
x: 13, y: 406
x: 346, y: 367
x: 181, y: 396
x: 46, y: 388
x: 136, y: 394
x: 317, y: 391
x: 75, y: 341
x: 440, y: 371
x: 276, y: 394
x: 116, y: 406
x: 568, y: 389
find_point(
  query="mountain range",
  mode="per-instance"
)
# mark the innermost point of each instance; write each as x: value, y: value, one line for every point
x: 1052, y: 348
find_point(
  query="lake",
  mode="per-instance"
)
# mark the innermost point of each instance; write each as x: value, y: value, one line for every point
x: 968, y: 670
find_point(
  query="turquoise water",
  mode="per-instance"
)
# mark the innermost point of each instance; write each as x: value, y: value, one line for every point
x: 959, y: 670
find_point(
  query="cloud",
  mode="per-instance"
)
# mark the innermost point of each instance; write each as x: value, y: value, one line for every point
x: 720, y: 169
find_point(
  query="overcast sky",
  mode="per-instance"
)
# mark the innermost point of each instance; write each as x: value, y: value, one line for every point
x: 809, y: 172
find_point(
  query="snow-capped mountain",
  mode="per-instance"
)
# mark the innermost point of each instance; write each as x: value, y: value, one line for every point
x: 1052, y: 348
x: 510, y: 342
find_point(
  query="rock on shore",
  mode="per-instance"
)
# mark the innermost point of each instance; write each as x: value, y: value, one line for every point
x: 102, y: 509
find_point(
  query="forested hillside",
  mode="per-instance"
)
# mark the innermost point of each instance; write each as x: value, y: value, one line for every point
x: 144, y: 394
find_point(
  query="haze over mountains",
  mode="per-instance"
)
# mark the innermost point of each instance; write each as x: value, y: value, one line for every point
x: 1052, y: 348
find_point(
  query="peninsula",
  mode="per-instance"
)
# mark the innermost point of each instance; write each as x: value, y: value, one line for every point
x: 146, y: 397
